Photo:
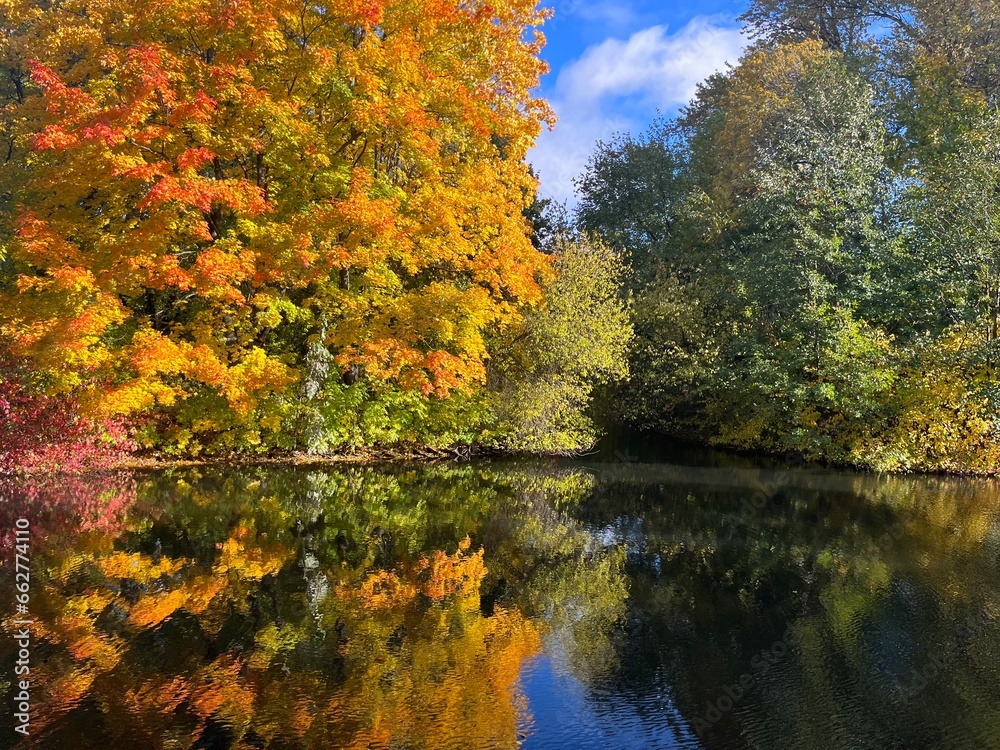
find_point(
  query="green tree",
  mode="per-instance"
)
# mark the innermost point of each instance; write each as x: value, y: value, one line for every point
x: 632, y: 194
x: 543, y: 377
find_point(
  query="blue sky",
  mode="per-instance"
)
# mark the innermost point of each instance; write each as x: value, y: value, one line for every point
x: 614, y: 64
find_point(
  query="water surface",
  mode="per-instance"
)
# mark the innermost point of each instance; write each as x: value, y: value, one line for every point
x: 644, y: 597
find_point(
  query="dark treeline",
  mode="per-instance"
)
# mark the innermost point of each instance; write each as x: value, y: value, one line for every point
x: 815, y: 241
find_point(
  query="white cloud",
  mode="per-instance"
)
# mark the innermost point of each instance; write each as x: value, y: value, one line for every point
x: 652, y: 70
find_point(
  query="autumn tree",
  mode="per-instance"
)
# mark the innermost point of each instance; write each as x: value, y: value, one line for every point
x: 201, y: 192
x: 840, y: 24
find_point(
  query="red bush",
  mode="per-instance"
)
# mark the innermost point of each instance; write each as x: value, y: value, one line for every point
x: 43, y: 434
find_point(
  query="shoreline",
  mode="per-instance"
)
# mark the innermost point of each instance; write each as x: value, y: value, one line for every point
x: 414, y: 454
x: 359, y: 457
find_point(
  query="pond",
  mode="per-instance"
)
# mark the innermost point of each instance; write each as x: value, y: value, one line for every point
x: 647, y: 596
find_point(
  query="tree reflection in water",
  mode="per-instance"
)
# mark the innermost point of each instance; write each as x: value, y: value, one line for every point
x: 403, y: 607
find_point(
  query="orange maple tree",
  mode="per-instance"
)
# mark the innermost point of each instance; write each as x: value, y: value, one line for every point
x: 200, y: 189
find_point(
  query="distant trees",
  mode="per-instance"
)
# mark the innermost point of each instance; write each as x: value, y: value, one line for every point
x: 815, y: 245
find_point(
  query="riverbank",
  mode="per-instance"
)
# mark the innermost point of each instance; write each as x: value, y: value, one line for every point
x: 617, y: 445
x: 359, y: 456
x: 364, y: 456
